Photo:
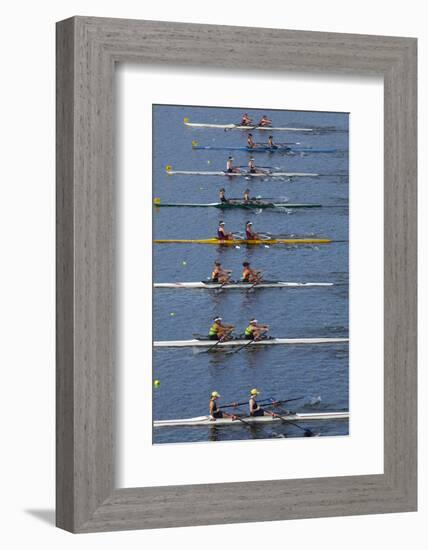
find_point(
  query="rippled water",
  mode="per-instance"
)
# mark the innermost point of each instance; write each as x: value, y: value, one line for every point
x: 187, y: 378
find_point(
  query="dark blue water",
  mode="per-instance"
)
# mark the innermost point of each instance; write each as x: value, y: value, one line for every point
x: 188, y: 378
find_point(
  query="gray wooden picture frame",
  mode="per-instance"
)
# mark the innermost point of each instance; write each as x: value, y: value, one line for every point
x: 87, y: 50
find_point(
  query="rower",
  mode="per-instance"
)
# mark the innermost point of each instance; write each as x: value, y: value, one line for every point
x: 246, y: 120
x: 220, y: 275
x: 214, y: 408
x: 251, y: 166
x: 254, y: 331
x: 222, y: 195
x: 255, y: 409
x: 249, y: 233
x: 229, y: 166
x: 271, y: 144
x: 250, y: 141
x: 247, y: 197
x: 218, y: 331
x: 264, y: 121
x: 221, y: 234
x: 250, y: 275
x: 214, y: 412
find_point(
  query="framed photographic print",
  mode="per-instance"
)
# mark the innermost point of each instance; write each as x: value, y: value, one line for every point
x: 271, y: 259
x: 236, y: 278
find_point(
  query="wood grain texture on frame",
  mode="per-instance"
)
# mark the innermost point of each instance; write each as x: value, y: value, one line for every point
x: 87, y: 50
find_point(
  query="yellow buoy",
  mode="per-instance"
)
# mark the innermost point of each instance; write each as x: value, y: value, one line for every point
x: 185, y: 119
x: 156, y: 200
x: 156, y: 383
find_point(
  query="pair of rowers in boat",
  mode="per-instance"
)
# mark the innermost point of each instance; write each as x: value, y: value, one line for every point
x: 252, y: 168
x: 222, y: 331
x: 247, y: 121
x: 253, y: 407
x: 250, y: 235
x: 222, y: 276
x: 245, y: 199
x: 251, y: 144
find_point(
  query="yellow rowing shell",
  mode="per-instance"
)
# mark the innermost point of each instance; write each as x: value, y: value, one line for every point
x: 308, y: 240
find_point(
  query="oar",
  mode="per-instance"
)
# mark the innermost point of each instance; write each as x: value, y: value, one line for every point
x: 217, y: 343
x: 244, y: 346
x: 258, y: 280
x: 240, y: 347
x: 236, y: 417
x: 218, y: 290
x: 263, y: 428
x: 308, y: 432
x: 268, y: 400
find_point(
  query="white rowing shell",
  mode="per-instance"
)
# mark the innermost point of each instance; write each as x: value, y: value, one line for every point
x: 239, y: 174
x: 206, y: 421
x: 273, y: 341
x: 238, y: 127
x: 243, y: 286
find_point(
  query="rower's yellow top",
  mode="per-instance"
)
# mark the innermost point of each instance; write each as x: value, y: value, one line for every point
x: 229, y: 242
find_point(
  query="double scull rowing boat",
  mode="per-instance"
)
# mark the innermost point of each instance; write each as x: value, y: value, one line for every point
x: 240, y: 342
x: 238, y: 285
x: 240, y: 127
x: 236, y: 203
x: 245, y: 174
x: 234, y: 242
x: 206, y: 420
x: 264, y: 149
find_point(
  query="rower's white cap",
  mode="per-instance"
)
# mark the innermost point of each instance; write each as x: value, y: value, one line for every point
x: 253, y: 321
x: 221, y: 223
x: 218, y: 318
x: 215, y: 394
x: 249, y: 223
